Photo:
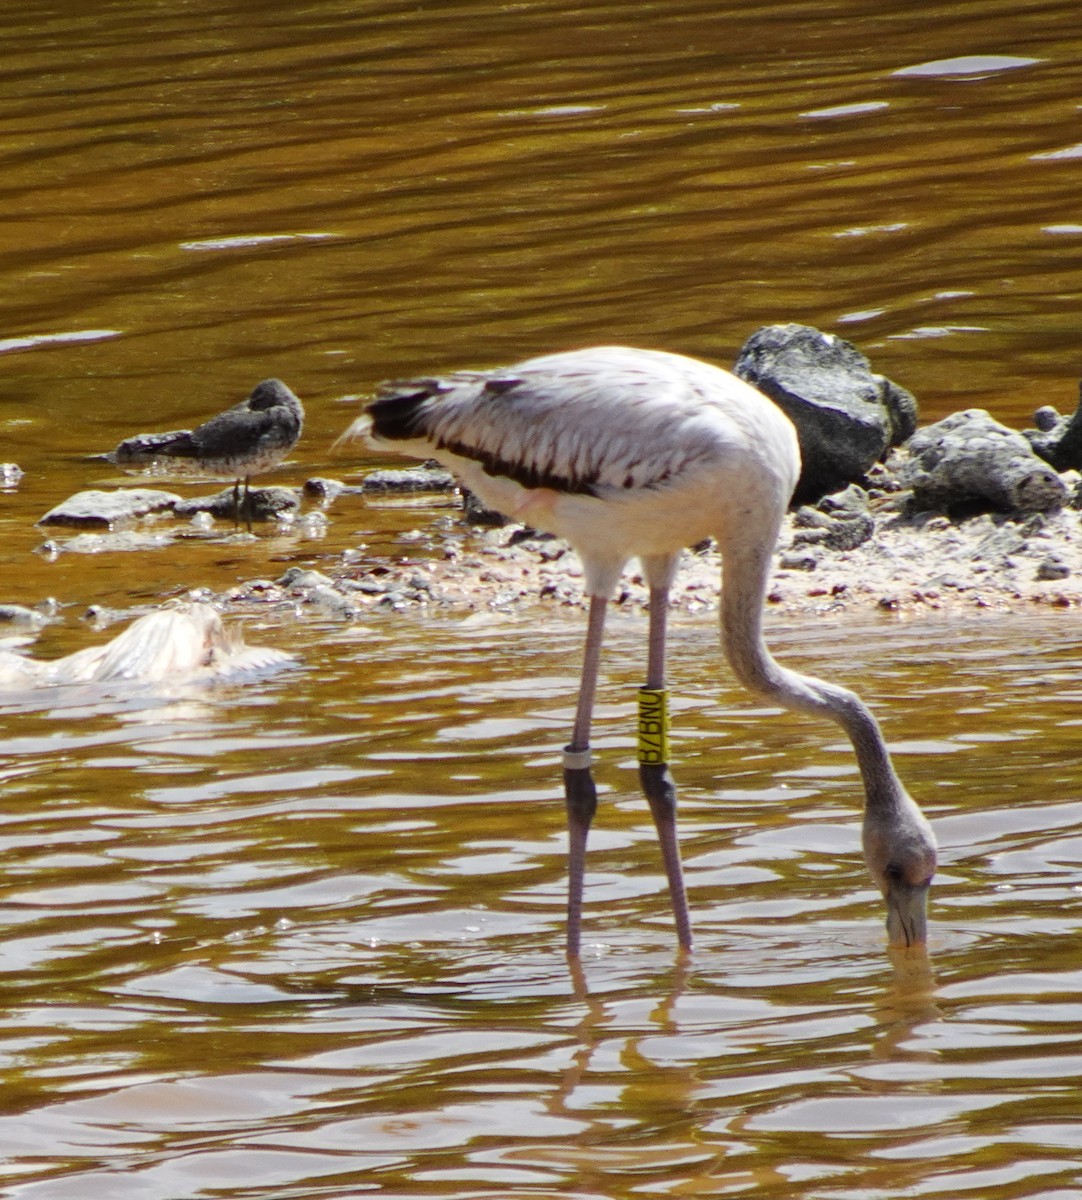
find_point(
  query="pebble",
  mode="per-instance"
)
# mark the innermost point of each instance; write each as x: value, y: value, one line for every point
x: 1053, y: 567
x: 793, y: 561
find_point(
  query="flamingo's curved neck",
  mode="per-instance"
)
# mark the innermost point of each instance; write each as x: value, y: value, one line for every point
x: 744, y: 587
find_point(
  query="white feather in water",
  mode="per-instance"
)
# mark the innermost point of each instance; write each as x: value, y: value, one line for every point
x: 182, y: 644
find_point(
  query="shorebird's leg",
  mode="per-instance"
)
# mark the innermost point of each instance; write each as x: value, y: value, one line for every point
x: 654, y: 775
x: 236, y: 504
x: 578, y: 782
x: 248, y: 501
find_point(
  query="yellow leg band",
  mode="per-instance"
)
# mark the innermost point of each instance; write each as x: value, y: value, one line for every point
x: 653, y: 725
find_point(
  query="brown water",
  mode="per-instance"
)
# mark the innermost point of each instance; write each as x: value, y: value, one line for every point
x: 302, y: 938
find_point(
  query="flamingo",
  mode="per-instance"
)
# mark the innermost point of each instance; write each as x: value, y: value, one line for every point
x: 245, y: 440
x: 630, y: 453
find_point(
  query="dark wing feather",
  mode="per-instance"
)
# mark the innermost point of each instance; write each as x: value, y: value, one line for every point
x: 397, y: 413
x: 439, y: 411
x: 144, y: 448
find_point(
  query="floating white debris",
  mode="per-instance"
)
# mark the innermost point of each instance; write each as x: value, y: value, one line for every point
x: 865, y: 230
x: 937, y: 331
x: 32, y: 341
x: 846, y: 110
x: 1074, y: 151
x: 720, y: 106
x: 557, y: 111
x: 248, y: 241
x: 967, y: 65
x: 868, y: 314
x: 186, y: 642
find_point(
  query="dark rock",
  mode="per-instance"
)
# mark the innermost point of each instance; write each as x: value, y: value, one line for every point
x: 836, y: 533
x: 1056, y: 439
x: 807, y: 517
x: 882, y: 478
x: 477, y: 513
x: 319, y: 590
x: 103, y: 510
x: 794, y: 560
x: 327, y: 490
x: 903, y: 409
x: 847, y: 533
x: 303, y: 577
x: 1053, y: 567
x: 840, y: 521
x: 260, y: 504
x: 409, y: 479
x: 1046, y: 418
x: 256, y: 591
x: 332, y: 602
x: 373, y: 587
x: 848, y: 501
x: 845, y: 415
x: 527, y: 533
x: 969, y: 459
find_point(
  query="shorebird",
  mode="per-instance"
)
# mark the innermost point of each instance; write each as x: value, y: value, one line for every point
x: 245, y: 440
x: 637, y: 454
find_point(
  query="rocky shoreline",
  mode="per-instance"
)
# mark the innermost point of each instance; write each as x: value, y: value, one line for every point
x: 960, y: 516
x: 873, y: 554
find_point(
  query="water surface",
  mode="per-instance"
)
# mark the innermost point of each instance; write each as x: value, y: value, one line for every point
x: 301, y: 937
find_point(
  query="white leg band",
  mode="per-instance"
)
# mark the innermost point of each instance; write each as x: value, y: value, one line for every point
x: 576, y: 760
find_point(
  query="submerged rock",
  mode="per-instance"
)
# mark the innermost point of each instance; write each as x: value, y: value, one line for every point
x: 409, y: 479
x: 104, y: 510
x: 327, y: 490
x: 260, y: 504
x: 19, y: 616
x: 319, y: 590
x: 123, y: 541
